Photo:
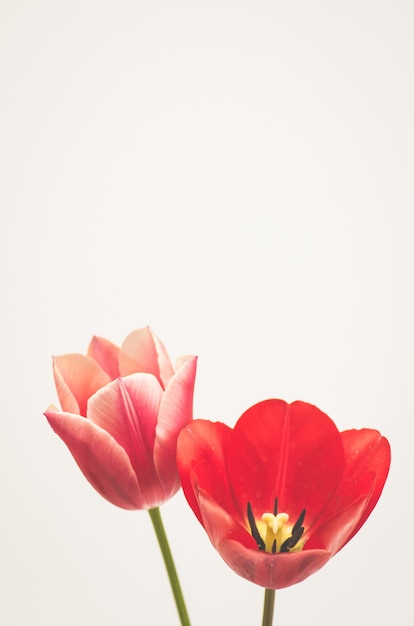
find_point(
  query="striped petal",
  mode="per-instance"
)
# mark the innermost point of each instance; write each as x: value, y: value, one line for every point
x: 106, y: 354
x: 102, y: 460
x: 175, y: 412
x: 127, y: 408
x: 142, y: 351
x: 77, y: 377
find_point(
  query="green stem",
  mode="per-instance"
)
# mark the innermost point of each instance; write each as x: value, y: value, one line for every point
x: 169, y: 564
x: 268, y: 607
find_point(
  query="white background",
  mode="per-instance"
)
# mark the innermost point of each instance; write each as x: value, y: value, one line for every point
x: 238, y: 175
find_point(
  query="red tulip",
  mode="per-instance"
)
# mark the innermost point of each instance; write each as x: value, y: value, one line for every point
x: 284, y: 490
x: 122, y: 411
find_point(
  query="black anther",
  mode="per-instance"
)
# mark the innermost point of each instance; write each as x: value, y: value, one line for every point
x: 299, y: 521
x: 285, y: 546
x: 291, y: 542
x: 274, y: 547
x: 275, y: 507
x: 253, y: 527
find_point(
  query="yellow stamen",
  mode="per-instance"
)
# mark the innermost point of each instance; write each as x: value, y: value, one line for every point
x: 272, y: 532
x: 275, y: 530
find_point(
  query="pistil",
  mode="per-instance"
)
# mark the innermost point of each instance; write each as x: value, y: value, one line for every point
x: 273, y: 533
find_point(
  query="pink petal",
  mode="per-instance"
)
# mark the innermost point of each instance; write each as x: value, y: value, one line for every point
x: 102, y: 460
x: 142, y: 351
x: 164, y: 362
x: 181, y: 360
x: 127, y: 408
x: 106, y: 354
x: 77, y: 377
x: 175, y: 412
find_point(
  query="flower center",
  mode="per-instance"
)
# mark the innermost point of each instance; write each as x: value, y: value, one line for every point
x: 273, y: 533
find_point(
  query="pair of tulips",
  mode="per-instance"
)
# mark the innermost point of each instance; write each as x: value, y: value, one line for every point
x: 278, y: 495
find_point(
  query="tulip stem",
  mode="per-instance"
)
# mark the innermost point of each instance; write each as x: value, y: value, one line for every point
x: 268, y: 607
x: 169, y: 564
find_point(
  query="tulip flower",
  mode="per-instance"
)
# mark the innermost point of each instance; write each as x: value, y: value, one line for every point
x: 283, y: 491
x: 121, y: 412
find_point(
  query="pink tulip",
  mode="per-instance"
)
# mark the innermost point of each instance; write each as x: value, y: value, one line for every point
x: 122, y: 411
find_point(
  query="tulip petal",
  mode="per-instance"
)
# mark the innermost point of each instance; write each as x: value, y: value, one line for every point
x: 142, y: 351
x: 219, y: 523
x: 77, y: 377
x: 127, y: 408
x: 106, y: 354
x: 272, y: 571
x: 102, y: 460
x: 201, y: 461
x: 332, y: 533
x: 181, y: 360
x: 175, y: 412
x: 164, y: 362
x: 367, y: 456
x: 366, y: 451
x: 239, y: 551
x: 292, y: 452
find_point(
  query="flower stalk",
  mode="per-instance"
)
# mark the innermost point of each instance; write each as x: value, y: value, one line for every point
x: 158, y: 525
x: 268, y: 607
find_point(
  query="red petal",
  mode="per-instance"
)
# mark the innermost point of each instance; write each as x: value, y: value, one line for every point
x: 272, y: 571
x: 77, y: 377
x: 332, y: 533
x: 106, y: 354
x: 202, y: 464
x: 102, y: 460
x: 142, y: 351
x: 240, y: 551
x: 367, y: 456
x: 365, y: 451
x: 176, y: 410
x: 292, y: 452
x: 219, y: 523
